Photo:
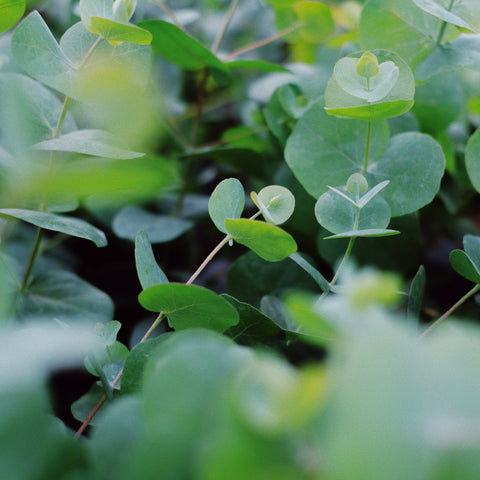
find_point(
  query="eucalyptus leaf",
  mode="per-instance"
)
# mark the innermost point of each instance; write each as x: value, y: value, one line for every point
x: 463, y: 265
x: 89, y: 142
x: 148, y: 271
x: 26, y: 101
x: 275, y: 202
x: 369, y: 232
x: 467, y: 263
x: 337, y: 215
x: 252, y: 323
x: 464, y: 13
x: 189, y: 306
x: 226, y: 201
x: 415, y: 296
x: 95, y: 8
x: 463, y: 52
x: 414, y: 163
x: 388, y: 94
x: 69, y: 225
x: 115, y: 32
x: 472, y: 159
x: 325, y: 150
x: 160, y: 228
x: 63, y: 296
x: 399, y: 26
x: 35, y: 49
x: 11, y: 12
x: 312, y: 271
x: 267, y: 241
x: 179, y: 48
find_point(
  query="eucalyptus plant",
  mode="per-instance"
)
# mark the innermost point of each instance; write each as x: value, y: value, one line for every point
x: 316, y: 154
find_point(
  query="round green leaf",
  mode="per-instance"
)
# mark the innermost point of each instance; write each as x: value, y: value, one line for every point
x: 189, y: 306
x: 267, y: 241
x: 337, y: 214
x: 160, y: 228
x: 388, y: 94
x: 275, y: 202
x: 414, y: 163
x: 226, y: 201
x: 472, y: 159
x: 325, y: 150
x: 11, y: 12
x: 71, y: 226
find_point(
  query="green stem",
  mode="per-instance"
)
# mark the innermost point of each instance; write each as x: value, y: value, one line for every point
x: 345, y: 258
x: 33, y: 257
x: 367, y: 146
x: 437, y: 322
x: 444, y: 25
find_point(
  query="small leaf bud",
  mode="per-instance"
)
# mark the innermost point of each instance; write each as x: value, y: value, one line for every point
x: 357, y: 183
x: 367, y: 65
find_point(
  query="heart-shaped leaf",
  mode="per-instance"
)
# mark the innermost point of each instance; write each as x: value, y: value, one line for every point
x: 189, y: 306
x: 388, y: 94
x: 267, y: 241
x: 338, y: 215
x: 325, y: 150
x: 226, y: 201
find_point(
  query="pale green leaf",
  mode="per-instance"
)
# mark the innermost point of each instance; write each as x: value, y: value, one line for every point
x: 159, y: 228
x: 99, y: 143
x: 226, y: 201
x: 148, y: 271
x: 38, y: 53
x: 49, y: 221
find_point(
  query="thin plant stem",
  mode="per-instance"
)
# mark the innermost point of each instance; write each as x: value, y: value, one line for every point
x: 208, y: 259
x: 437, y: 322
x: 444, y: 25
x: 261, y: 43
x: 226, y: 23
x: 367, y: 145
x: 33, y: 257
x: 157, y: 322
x: 55, y: 134
x: 170, y: 13
x: 345, y: 258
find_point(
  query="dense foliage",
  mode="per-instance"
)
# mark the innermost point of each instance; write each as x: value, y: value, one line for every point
x: 253, y: 223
